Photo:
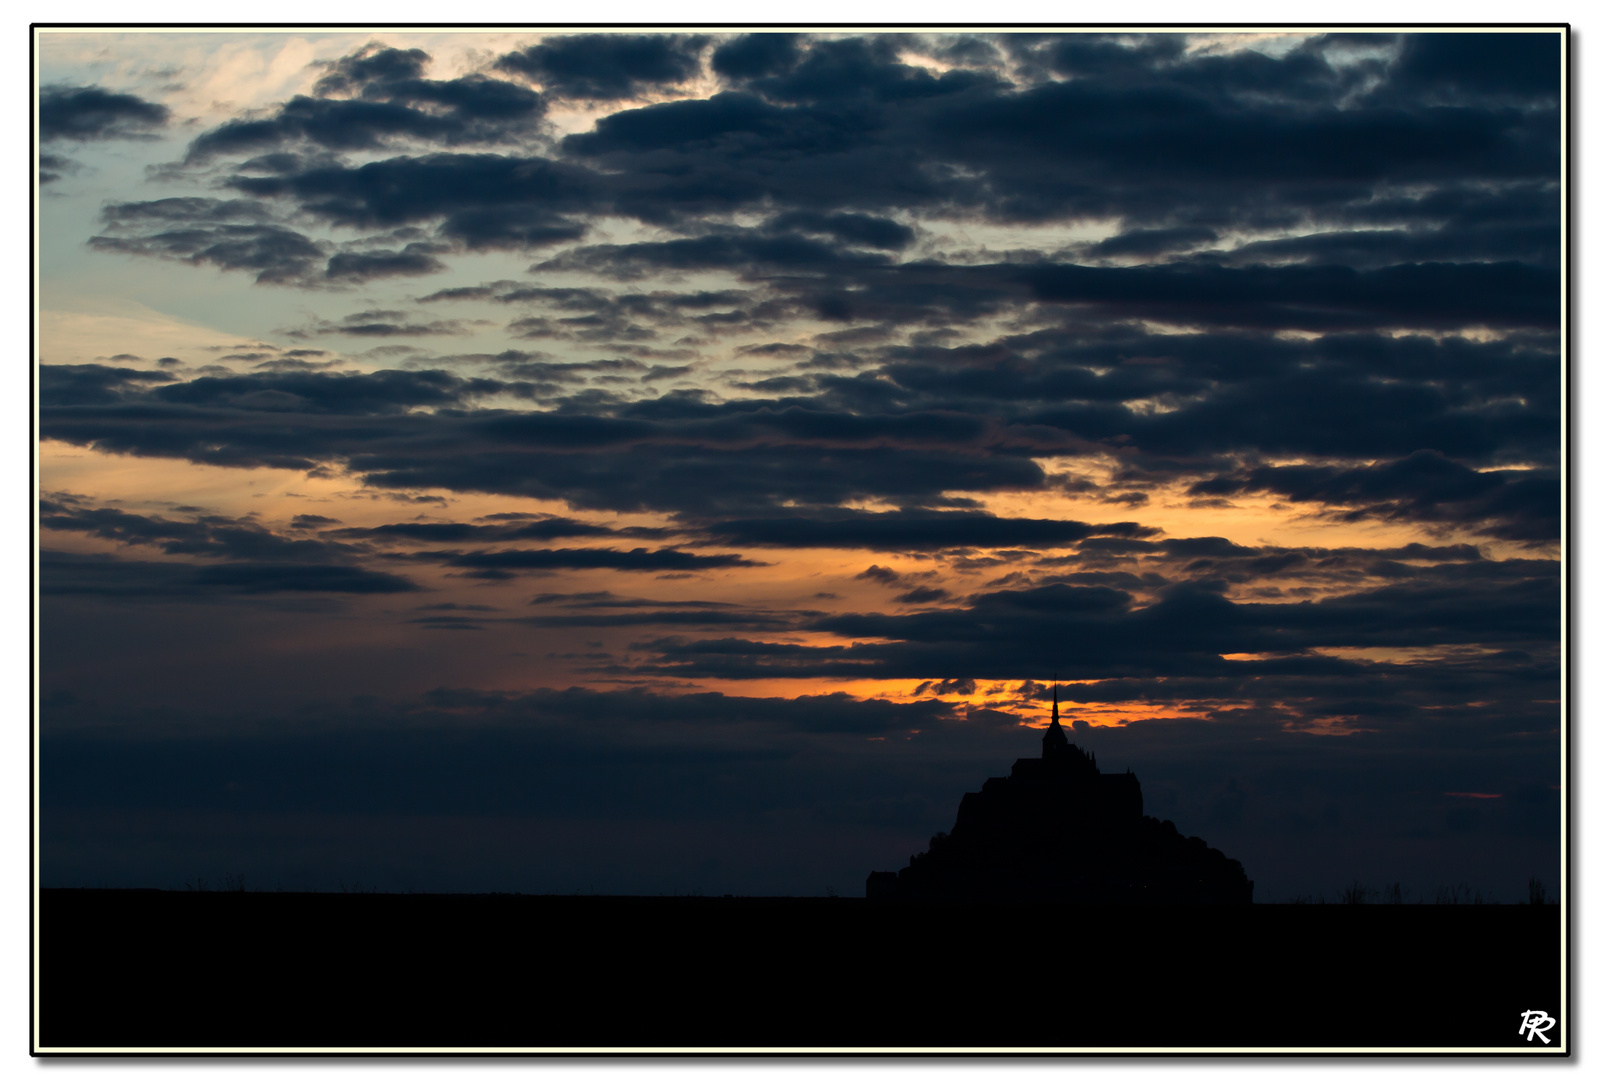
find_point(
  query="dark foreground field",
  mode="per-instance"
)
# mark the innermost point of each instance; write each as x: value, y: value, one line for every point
x: 134, y: 969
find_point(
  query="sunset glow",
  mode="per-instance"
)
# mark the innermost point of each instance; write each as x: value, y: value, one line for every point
x: 706, y: 427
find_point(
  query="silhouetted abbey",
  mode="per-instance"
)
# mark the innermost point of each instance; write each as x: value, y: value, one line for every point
x: 1058, y: 829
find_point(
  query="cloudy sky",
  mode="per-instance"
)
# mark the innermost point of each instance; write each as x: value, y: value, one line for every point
x: 675, y: 461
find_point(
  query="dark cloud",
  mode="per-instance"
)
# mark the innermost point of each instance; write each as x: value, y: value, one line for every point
x: 1126, y: 140
x: 354, y: 393
x: 1478, y: 401
x: 549, y: 527
x: 275, y: 578
x: 1476, y: 407
x: 903, y: 530
x: 839, y: 140
x: 662, y: 614
x: 1097, y: 632
x: 751, y: 56
x: 237, y: 234
x: 103, y: 577
x: 1456, y: 68
x: 295, y: 363
x: 355, y: 266
x: 209, y: 535
x: 277, y: 255
x: 866, y: 68
x: 1146, y: 567
x: 373, y: 63
x: 1147, y: 242
x: 380, y: 324
x: 861, y: 229
x: 484, y: 200
x: 84, y: 113
x: 53, y: 166
x: 604, y: 598
x: 64, y: 574
x: 619, y: 320
x: 186, y: 209
x: 672, y: 126
x: 1100, y: 56
x: 1521, y: 504
x: 1134, y: 135
x: 466, y: 292
x: 708, y: 482
x: 1367, y: 249
x: 374, y: 97
x: 673, y: 453
x: 1314, y: 298
x: 250, y: 546
x: 638, y: 559
x: 731, y: 250
x: 607, y: 66
x: 92, y: 384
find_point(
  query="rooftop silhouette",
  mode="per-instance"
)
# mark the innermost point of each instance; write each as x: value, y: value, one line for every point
x: 1058, y: 829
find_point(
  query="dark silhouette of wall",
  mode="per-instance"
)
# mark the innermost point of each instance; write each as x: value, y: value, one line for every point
x: 1059, y: 830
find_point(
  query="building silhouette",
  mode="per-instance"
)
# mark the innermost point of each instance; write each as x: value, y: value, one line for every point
x: 1058, y: 829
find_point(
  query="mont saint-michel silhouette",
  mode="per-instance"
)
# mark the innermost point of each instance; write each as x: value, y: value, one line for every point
x: 1058, y: 829
x: 421, y: 971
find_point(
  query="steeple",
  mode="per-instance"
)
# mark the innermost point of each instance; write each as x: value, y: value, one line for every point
x: 1055, y: 739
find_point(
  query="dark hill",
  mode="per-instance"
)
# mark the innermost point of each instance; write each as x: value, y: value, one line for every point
x: 1059, y: 830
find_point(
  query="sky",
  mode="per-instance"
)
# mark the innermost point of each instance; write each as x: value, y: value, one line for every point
x: 671, y: 462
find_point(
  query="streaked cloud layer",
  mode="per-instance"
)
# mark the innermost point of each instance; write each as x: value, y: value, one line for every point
x: 774, y: 417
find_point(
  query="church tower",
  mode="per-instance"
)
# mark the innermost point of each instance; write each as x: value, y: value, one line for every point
x: 1055, y: 739
x: 1059, y: 830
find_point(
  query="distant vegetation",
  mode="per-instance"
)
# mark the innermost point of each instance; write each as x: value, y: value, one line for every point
x: 1395, y: 893
x: 1357, y: 892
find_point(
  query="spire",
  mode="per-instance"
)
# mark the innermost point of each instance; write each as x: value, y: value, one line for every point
x: 1055, y: 739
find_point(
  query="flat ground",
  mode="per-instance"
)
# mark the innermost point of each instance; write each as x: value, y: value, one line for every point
x: 127, y: 969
